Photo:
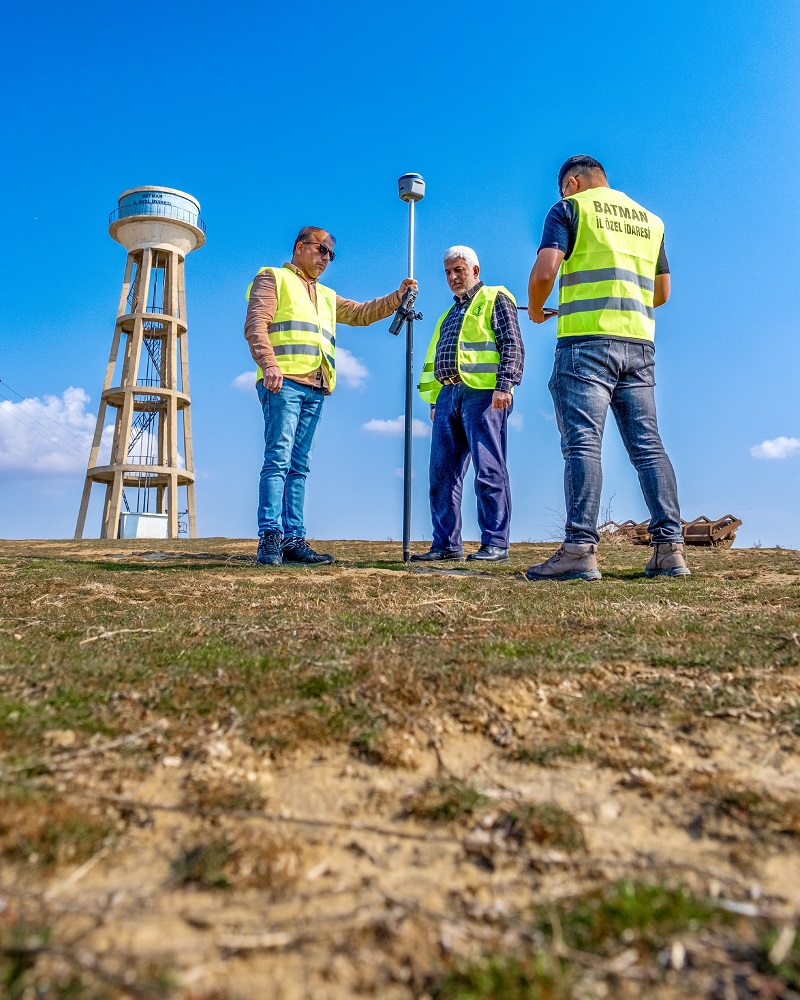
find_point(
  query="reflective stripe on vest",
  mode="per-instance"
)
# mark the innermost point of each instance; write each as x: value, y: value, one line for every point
x: 302, y: 337
x: 477, y: 357
x: 606, y: 287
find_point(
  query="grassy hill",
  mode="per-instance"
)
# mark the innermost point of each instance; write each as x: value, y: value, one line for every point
x: 219, y: 781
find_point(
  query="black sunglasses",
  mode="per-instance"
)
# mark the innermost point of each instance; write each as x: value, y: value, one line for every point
x: 323, y: 249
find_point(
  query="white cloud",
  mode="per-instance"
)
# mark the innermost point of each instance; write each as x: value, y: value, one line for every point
x: 779, y: 447
x: 51, y: 435
x: 396, y: 427
x: 517, y: 421
x: 246, y: 382
x: 350, y: 369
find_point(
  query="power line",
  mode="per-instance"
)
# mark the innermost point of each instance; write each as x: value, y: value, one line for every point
x: 57, y: 439
x: 33, y: 405
x: 33, y: 429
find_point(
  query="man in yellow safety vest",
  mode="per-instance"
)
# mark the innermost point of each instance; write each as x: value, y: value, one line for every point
x: 291, y: 330
x: 474, y: 360
x: 614, y: 273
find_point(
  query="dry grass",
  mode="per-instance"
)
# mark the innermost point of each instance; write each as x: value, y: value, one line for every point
x: 41, y: 831
x: 238, y: 856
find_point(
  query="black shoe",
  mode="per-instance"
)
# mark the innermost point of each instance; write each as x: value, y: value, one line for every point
x: 489, y: 553
x: 437, y: 555
x: 269, y: 549
x: 297, y: 550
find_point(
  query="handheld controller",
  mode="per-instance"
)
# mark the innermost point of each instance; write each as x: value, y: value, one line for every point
x: 405, y: 311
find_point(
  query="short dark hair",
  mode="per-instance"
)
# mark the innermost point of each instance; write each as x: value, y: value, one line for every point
x: 579, y: 166
x: 307, y: 232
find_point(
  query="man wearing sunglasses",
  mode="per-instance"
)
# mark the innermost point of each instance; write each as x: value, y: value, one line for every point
x: 290, y: 328
x: 614, y: 273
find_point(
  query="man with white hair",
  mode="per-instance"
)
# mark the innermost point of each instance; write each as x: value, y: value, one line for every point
x: 474, y: 360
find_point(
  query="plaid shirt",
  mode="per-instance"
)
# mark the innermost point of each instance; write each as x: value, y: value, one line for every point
x: 507, y: 335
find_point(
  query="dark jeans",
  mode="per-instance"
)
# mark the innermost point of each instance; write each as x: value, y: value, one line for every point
x: 588, y: 377
x: 464, y: 426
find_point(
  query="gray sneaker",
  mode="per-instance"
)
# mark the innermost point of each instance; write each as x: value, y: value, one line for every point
x: 667, y: 560
x: 573, y: 561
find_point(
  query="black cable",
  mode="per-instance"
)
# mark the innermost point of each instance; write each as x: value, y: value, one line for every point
x: 47, y: 430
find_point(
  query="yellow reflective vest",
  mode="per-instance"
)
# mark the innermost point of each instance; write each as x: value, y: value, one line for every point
x: 606, y: 287
x: 302, y: 337
x: 477, y: 357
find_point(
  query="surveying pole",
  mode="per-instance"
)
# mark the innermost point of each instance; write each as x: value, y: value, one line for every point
x: 411, y: 188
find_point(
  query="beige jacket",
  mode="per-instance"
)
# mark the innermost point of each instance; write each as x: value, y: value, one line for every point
x: 261, y: 312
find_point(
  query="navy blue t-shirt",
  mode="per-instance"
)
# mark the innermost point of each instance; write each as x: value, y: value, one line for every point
x: 561, y: 229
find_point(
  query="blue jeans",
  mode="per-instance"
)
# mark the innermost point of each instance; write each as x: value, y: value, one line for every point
x: 465, y: 425
x: 588, y: 376
x: 290, y: 421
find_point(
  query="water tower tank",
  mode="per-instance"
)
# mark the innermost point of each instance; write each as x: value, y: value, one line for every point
x: 152, y: 216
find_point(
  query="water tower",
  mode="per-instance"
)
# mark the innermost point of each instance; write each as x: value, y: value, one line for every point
x: 151, y: 449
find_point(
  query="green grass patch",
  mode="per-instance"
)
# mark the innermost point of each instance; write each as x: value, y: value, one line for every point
x: 324, y: 683
x: 445, y: 799
x: 627, y: 913
x: 601, y: 924
x: 548, y: 753
x: 505, y: 977
x: 203, y: 865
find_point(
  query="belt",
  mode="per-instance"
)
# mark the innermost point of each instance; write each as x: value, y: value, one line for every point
x: 451, y: 381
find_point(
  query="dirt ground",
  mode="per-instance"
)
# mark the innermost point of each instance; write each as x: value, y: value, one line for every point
x: 338, y: 872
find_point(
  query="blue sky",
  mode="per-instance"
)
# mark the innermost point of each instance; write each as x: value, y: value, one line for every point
x: 278, y: 116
